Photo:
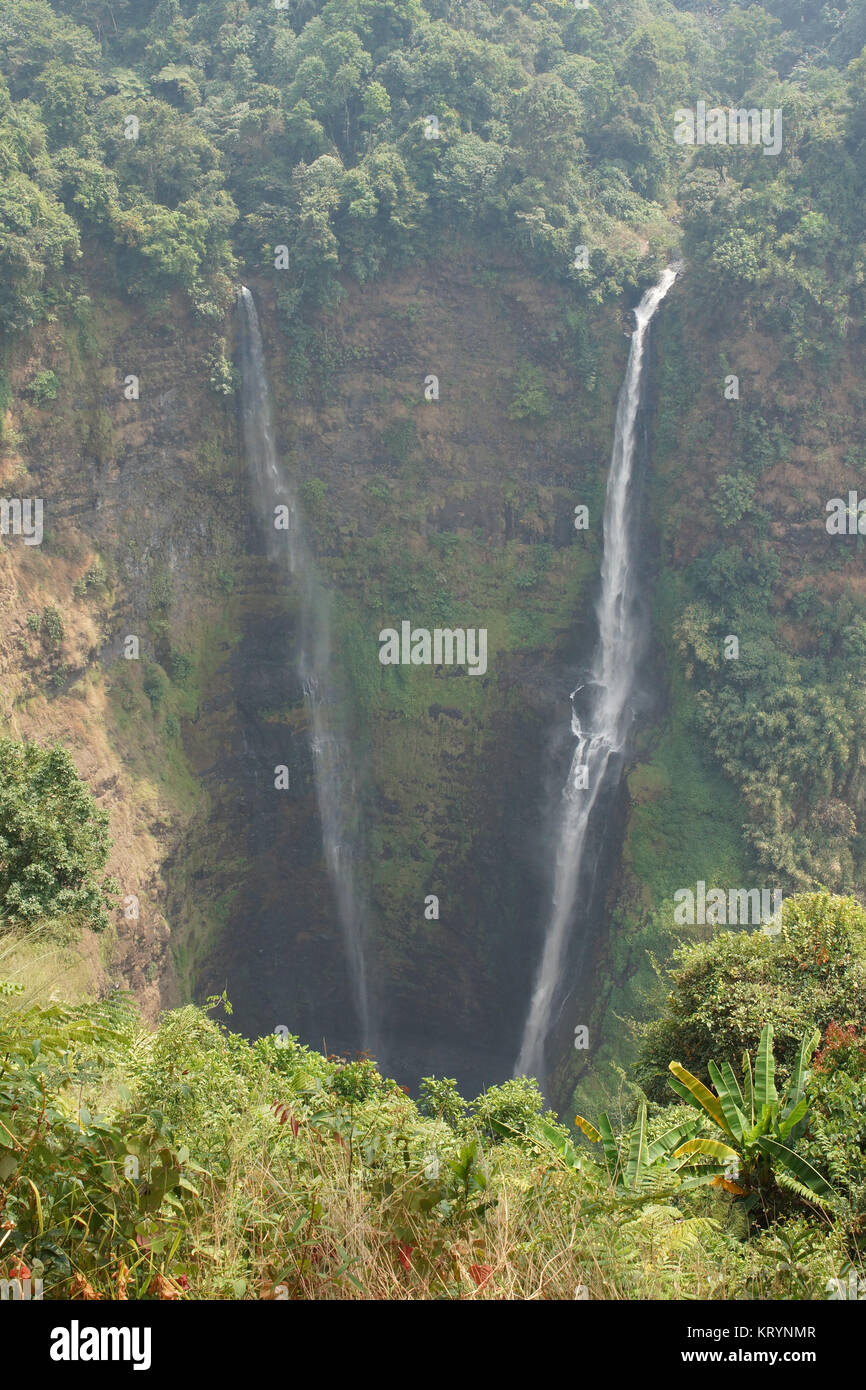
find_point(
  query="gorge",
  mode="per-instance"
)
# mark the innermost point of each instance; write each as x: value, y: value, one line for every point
x: 353, y: 412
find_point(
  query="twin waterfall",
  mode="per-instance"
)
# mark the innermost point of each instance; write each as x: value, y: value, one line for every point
x: 606, y: 697
x: 334, y: 790
x: 601, y: 718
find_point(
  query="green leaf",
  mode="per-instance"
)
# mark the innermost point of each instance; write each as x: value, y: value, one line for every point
x: 667, y: 1142
x: 794, y: 1118
x: 729, y: 1098
x: 563, y: 1146
x: 803, y: 1171
x: 800, y: 1074
x: 636, y: 1150
x: 748, y: 1089
x: 704, y: 1098
x: 765, y: 1069
x: 685, y: 1094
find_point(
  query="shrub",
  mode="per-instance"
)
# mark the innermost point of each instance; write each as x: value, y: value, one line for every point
x: 529, y: 399
x: 724, y: 990
x: 52, y: 627
x: 181, y: 667
x: 42, y: 387
x: 53, y: 839
x: 440, y: 1099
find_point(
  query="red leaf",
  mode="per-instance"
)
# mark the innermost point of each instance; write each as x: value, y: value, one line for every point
x: 405, y: 1254
x: 481, y: 1274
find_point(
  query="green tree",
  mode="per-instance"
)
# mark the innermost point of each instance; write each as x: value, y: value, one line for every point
x: 53, y: 840
x: 723, y: 991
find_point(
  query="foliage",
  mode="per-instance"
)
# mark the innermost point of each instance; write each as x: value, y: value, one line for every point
x: 723, y: 991
x: 529, y: 400
x: 516, y: 1106
x: 43, y: 387
x: 760, y: 1127
x: 185, y: 1162
x: 52, y: 627
x: 53, y: 840
x: 439, y: 1098
x: 637, y: 1164
x: 88, y: 1196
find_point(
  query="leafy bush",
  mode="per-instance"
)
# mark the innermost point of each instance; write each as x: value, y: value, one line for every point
x: 400, y: 440
x: 88, y: 1196
x: 52, y: 627
x: 221, y: 377
x: 529, y: 398
x: 181, y: 667
x: 516, y: 1106
x: 43, y: 387
x: 53, y: 839
x: 812, y: 973
x: 439, y: 1098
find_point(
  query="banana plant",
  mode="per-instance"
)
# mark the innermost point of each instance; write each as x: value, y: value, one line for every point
x: 758, y: 1125
x: 637, y: 1164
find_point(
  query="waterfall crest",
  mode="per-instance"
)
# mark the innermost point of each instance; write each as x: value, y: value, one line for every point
x: 602, y: 731
x: 334, y: 784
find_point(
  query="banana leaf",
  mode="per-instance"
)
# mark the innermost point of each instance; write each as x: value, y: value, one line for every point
x: 636, y: 1150
x: 589, y: 1130
x: 765, y: 1069
x: 702, y: 1096
x: 729, y: 1099
x: 748, y: 1089
x: 711, y: 1148
x: 800, y: 1074
x: 666, y: 1142
x: 801, y: 1170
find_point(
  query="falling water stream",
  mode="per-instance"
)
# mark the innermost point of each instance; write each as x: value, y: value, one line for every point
x: 601, y: 720
x: 288, y: 546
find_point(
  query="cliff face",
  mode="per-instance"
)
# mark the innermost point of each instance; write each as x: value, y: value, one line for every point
x: 456, y: 512
x: 143, y: 516
x: 752, y: 773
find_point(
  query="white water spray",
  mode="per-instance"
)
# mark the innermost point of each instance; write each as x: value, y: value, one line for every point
x: 334, y: 789
x: 601, y: 745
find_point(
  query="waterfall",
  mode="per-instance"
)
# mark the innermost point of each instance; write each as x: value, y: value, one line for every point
x: 602, y: 731
x: 334, y: 786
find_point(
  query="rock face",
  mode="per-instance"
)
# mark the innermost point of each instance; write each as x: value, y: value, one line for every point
x: 454, y: 512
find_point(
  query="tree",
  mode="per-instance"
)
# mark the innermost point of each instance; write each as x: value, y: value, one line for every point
x: 812, y: 973
x: 53, y: 840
